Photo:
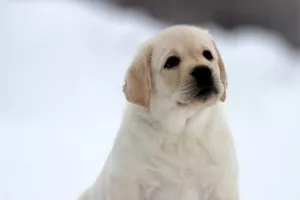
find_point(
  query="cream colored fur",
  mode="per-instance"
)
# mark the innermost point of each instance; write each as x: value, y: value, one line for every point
x: 164, y: 150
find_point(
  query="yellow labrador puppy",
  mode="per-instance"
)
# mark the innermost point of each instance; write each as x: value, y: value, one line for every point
x: 174, y: 142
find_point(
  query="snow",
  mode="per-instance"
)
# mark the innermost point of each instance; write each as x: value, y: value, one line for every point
x: 61, y: 72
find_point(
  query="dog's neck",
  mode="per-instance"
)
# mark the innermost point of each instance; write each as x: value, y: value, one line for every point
x: 176, y: 119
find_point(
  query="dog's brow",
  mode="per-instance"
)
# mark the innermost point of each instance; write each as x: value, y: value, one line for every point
x: 172, y: 52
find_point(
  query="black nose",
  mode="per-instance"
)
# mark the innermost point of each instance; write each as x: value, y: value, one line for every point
x: 203, y: 75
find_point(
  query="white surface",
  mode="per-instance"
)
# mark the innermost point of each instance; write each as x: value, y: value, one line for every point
x: 62, y: 69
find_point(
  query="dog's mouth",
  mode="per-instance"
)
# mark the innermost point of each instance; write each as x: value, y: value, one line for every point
x: 206, y: 91
x: 197, y: 94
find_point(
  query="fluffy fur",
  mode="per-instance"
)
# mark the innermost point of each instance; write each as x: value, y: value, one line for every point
x: 171, y: 145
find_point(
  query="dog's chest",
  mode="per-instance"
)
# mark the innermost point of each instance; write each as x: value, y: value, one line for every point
x: 177, y: 153
x: 178, y: 165
x: 168, y: 166
x: 175, y: 193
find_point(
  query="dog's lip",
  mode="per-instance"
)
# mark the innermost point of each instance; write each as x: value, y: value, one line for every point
x: 203, y: 92
x: 209, y: 89
x: 181, y: 104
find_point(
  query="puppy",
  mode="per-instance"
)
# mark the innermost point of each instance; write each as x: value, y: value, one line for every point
x: 174, y: 142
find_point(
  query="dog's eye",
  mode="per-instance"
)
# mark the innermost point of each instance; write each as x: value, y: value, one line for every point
x: 207, y: 54
x: 172, y: 62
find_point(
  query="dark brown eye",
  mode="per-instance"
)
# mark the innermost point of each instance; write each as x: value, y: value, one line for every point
x: 172, y: 62
x: 207, y: 54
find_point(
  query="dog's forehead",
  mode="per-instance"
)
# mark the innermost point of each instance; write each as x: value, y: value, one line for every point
x: 184, y: 38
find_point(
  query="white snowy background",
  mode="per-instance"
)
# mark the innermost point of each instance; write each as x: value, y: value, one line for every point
x: 61, y: 72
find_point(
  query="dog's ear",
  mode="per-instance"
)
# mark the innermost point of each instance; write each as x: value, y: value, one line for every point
x: 137, y: 87
x: 223, y: 73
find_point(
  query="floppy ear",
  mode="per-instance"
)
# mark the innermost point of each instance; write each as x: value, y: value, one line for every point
x: 223, y: 74
x: 137, y: 87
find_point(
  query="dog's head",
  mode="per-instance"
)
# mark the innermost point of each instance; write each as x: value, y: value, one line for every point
x: 181, y: 64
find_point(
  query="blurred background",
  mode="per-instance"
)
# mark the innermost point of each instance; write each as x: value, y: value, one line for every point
x: 279, y: 16
x: 62, y: 65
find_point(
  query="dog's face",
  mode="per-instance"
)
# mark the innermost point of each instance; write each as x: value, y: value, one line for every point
x: 181, y: 64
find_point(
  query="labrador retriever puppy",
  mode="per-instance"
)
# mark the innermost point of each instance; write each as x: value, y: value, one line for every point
x: 174, y: 142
